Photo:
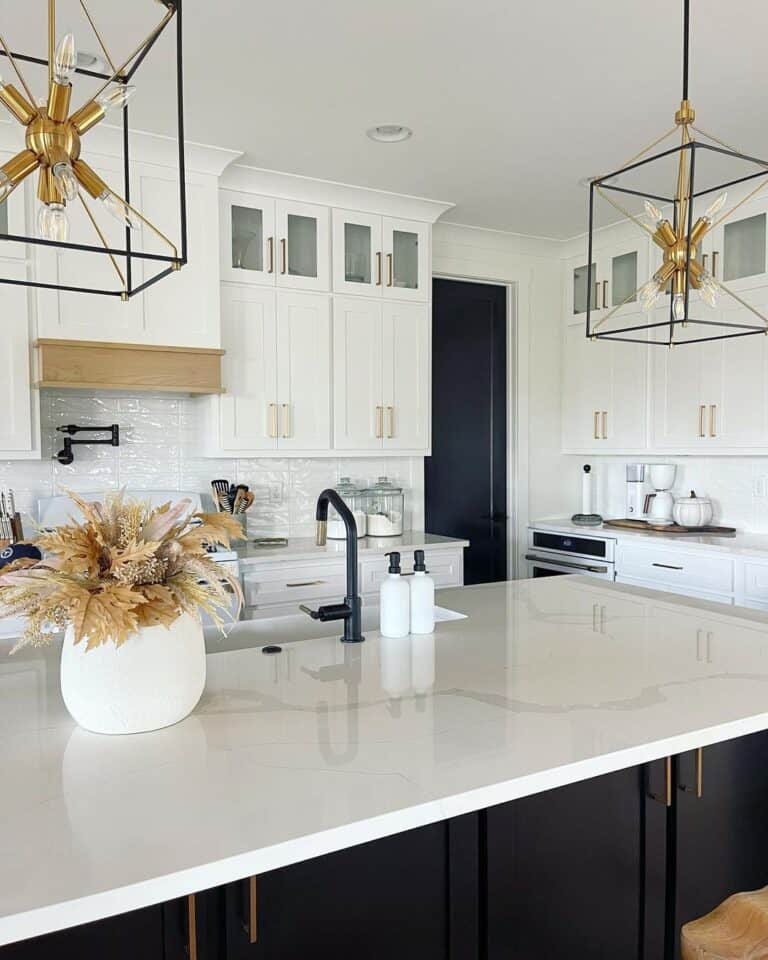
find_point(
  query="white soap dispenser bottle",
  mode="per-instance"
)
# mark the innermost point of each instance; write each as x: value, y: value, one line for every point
x: 422, y: 597
x: 395, y: 600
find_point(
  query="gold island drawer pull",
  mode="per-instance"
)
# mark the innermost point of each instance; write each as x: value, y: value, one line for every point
x: 192, y: 926
x: 666, y: 799
x: 307, y: 583
x: 667, y: 566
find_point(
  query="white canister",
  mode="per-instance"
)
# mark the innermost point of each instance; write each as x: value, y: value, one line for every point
x: 692, y: 511
x: 153, y: 680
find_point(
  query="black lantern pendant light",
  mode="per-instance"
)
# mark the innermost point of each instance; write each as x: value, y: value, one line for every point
x: 698, y: 172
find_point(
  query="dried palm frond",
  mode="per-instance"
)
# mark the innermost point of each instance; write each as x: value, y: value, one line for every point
x: 125, y: 566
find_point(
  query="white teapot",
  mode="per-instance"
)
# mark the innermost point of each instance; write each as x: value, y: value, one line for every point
x: 693, y: 511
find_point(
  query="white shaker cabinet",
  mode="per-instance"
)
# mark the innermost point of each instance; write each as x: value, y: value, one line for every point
x: 276, y: 372
x: 13, y: 219
x: 247, y: 223
x: 19, y: 424
x: 381, y: 376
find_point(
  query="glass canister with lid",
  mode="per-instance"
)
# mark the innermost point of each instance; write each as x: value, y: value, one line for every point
x: 385, y: 508
x: 355, y: 498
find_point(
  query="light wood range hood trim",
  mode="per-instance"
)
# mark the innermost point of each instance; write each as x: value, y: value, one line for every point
x: 96, y: 365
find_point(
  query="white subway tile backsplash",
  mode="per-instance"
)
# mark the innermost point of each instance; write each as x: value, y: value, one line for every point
x: 159, y: 450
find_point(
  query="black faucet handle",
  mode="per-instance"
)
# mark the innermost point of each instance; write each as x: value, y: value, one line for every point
x: 315, y: 614
x: 332, y: 611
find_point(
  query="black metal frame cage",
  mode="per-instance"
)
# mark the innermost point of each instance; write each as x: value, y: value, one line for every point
x: 129, y: 254
x: 694, y: 146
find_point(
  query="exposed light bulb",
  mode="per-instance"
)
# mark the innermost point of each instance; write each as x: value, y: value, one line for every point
x: 653, y: 211
x: 678, y: 307
x: 708, y: 289
x: 649, y: 293
x: 120, y: 210
x: 65, y: 179
x: 52, y: 223
x: 65, y: 59
x: 6, y: 185
x: 116, y: 97
x: 2, y: 82
x: 715, y: 207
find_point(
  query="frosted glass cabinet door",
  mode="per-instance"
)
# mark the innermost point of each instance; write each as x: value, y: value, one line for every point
x: 12, y: 220
x: 577, y: 290
x: 358, y: 258
x: 248, y: 242
x: 744, y: 248
x: 406, y: 260
x: 303, y: 246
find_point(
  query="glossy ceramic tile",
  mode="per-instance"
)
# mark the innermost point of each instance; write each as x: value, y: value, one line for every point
x: 325, y: 745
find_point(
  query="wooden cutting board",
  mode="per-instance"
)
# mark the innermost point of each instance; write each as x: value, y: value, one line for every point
x: 672, y: 529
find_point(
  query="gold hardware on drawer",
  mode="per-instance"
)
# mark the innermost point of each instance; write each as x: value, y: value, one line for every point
x: 666, y: 566
x: 666, y: 798
x: 270, y: 254
x: 596, y: 425
x: 286, y: 419
x: 390, y: 270
x: 378, y: 269
x: 391, y: 416
x: 192, y: 926
x: 284, y: 255
x: 702, y: 413
x: 273, y: 421
x: 712, y: 419
x: 253, y: 927
x: 605, y: 424
x: 379, y: 422
x: 307, y: 583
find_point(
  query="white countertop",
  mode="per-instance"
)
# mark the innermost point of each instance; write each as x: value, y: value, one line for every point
x: 324, y: 746
x: 305, y: 548
x: 741, y: 544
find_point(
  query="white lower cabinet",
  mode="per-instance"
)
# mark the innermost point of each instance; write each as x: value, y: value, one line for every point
x: 276, y: 373
x: 19, y: 424
x: 381, y: 384
x: 672, y: 567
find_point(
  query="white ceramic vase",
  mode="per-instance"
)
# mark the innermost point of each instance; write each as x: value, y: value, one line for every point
x: 151, y: 681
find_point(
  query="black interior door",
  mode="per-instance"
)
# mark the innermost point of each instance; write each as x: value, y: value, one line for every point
x: 466, y: 476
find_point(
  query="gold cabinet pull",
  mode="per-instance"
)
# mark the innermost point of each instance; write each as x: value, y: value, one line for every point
x: 378, y: 269
x: 192, y: 926
x: 605, y: 293
x: 605, y: 424
x: 704, y: 258
x: 702, y: 413
x: 273, y: 421
x: 283, y: 255
x: 391, y: 417
x: 286, y: 408
x: 596, y: 425
x: 666, y: 797
x: 379, y: 422
x: 713, y: 420
x: 715, y: 255
x: 270, y: 254
x: 699, y: 788
x: 597, y: 294
x: 253, y: 917
x: 390, y: 270
x: 307, y: 583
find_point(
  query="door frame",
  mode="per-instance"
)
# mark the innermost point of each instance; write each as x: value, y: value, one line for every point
x: 517, y: 416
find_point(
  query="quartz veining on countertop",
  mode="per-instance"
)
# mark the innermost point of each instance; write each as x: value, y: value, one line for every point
x: 305, y: 548
x: 328, y: 745
x: 742, y: 544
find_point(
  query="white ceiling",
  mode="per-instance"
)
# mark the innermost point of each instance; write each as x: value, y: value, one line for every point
x: 511, y: 103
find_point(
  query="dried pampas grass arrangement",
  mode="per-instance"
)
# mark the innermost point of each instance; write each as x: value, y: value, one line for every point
x: 126, y: 566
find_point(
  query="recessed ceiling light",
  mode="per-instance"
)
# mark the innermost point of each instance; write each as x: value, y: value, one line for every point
x: 389, y: 133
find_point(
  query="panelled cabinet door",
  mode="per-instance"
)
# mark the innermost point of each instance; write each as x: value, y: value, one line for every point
x: 578, y: 292
x: 586, y: 391
x: 304, y: 370
x: 680, y: 397
x: 15, y: 394
x: 303, y: 246
x: 358, y: 406
x: 406, y: 338
x: 248, y: 241
x: 358, y: 257
x: 407, y: 273
x: 626, y: 420
x: 13, y: 220
x: 249, y: 409
x: 81, y: 316
x: 183, y: 309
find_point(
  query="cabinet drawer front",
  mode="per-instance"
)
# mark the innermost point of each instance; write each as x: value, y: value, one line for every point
x: 296, y: 583
x: 444, y: 567
x: 675, y: 568
x: 755, y: 580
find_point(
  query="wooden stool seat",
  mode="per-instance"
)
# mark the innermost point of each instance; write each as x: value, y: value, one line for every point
x: 736, y: 930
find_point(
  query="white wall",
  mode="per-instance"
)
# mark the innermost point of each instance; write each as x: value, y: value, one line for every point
x: 158, y: 450
x: 535, y: 267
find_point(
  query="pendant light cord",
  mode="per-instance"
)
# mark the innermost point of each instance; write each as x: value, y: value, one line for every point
x: 686, y: 39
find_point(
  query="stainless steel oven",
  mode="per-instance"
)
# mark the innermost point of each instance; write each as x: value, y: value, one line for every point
x: 559, y: 554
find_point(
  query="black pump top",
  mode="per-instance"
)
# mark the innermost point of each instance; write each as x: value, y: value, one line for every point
x: 394, y: 562
x: 419, y: 566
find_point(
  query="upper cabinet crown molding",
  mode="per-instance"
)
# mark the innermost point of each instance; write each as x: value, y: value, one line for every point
x: 246, y: 179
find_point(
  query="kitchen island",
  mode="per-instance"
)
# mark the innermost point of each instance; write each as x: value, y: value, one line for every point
x: 553, y: 769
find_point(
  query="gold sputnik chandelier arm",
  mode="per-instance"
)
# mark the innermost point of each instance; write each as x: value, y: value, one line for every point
x: 103, y: 240
x: 103, y: 45
x: 625, y: 212
x: 743, y: 303
x: 16, y: 70
x: 18, y: 168
x: 629, y: 299
x: 116, y: 74
x: 683, y: 187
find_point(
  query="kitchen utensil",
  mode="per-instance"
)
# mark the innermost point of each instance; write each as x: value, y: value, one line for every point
x: 10, y: 522
x: 693, y: 511
x: 221, y: 495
